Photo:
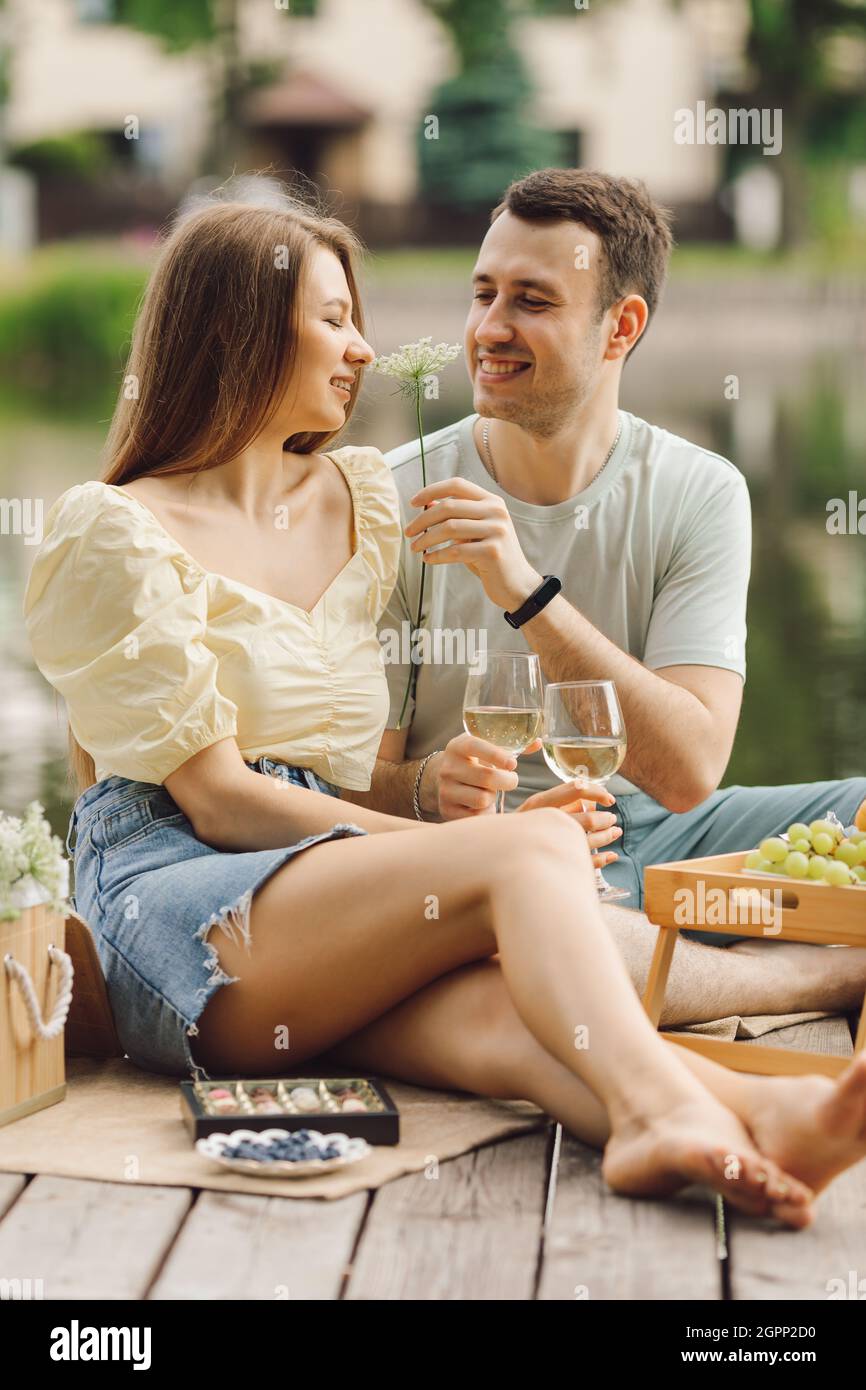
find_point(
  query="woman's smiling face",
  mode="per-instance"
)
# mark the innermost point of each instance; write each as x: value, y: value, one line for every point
x: 330, y: 351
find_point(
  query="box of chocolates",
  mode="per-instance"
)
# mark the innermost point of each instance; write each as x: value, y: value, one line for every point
x: 357, y: 1106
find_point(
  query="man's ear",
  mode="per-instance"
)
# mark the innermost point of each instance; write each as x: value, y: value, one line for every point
x: 630, y: 320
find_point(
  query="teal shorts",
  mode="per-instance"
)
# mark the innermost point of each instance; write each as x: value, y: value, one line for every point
x: 736, y: 818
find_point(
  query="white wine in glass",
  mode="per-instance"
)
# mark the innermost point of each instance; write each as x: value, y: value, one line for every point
x: 502, y: 703
x: 584, y: 737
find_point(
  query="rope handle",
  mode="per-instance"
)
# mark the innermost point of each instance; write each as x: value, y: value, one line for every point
x: 21, y: 976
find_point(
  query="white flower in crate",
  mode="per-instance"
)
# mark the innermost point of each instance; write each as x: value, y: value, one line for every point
x: 33, y: 868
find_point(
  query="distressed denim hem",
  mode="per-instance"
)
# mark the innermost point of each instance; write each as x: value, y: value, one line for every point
x: 234, y: 920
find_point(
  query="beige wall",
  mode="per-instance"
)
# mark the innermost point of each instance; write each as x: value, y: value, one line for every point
x: 618, y: 74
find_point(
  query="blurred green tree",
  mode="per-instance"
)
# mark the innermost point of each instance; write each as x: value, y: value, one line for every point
x: 210, y: 23
x: 214, y: 25
x: 790, y: 50
x: 4, y: 77
x: 485, y: 137
x: 791, y: 55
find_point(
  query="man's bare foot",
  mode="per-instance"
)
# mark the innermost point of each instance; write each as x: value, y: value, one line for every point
x: 813, y: 1126
x: 701, y: 1141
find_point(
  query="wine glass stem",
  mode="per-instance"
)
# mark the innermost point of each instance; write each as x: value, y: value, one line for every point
x: 500, y: 803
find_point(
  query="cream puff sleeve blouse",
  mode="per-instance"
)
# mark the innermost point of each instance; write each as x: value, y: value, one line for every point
x: 157, y: 658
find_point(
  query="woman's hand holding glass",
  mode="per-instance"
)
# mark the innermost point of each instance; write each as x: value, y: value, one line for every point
x: 581, y: 800
x: 470, y: 772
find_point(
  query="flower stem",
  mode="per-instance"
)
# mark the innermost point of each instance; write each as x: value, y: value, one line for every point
x: 414, y: 666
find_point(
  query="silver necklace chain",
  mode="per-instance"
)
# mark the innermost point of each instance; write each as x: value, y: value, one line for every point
x: 485, y: 436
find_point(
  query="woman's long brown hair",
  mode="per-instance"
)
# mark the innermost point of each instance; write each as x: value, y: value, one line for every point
x: 214, y: 347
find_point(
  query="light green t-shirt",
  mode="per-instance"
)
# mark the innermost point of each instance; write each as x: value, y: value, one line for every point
x: 655, y: 553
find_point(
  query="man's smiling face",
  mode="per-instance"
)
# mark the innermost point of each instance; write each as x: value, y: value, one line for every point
x: 534, y: 344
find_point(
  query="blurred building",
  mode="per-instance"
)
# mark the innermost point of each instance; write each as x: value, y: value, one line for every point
x: 344, y: 86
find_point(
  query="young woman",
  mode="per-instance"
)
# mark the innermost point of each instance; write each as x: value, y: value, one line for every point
x: 208, y: 610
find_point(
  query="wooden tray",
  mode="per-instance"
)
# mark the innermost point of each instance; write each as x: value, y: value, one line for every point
x: 803, y: 911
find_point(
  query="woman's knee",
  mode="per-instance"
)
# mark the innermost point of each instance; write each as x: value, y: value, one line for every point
x: 547, y: 831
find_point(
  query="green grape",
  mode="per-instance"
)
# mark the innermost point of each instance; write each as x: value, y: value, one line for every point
x: 860, y: 871
x: 774, y: 849
x: 798, y: 831
x: 823, y: 843
x: 838, y: 874
x: 802, y: 846
x: 858, y: 836
x: 796, y: 865
x: 822, y: 827
x: 861, y: 852
x: 848, y: 853
x: 818, y: 866
x: 754, y: 859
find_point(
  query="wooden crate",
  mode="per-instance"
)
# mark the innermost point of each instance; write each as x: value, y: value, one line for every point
x: 807, y: 911
x: 32, y: 1070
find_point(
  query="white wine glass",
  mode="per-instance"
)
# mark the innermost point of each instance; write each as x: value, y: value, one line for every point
x: 503, y: 702
x: 583, y: 737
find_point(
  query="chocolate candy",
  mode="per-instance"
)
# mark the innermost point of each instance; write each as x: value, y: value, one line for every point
x: 352, y: 1103
x: 264, y: 1101
x: 304, y: 1098
x: 221, y: 1101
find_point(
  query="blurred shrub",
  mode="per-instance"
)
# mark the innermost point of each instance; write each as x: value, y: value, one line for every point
x: 84, y: 153
x: 65, y: 327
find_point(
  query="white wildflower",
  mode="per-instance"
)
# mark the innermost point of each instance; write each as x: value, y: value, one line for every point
x: 29, y: 849
x: 411, y: 366
x: 412, y: 363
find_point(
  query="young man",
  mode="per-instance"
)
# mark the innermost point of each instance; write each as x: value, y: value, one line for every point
x: 648, y: 535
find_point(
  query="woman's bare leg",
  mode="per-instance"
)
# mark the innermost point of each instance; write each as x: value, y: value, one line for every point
x: 463, y: 1033
x: 340, y: 936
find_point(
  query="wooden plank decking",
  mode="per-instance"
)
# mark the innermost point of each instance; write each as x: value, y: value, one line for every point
x: 527, y: 1218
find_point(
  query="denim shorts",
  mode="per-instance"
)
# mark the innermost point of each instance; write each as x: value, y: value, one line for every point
x: 151, y: 891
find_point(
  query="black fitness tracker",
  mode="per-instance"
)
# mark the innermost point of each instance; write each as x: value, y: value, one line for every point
x: 548, y: 589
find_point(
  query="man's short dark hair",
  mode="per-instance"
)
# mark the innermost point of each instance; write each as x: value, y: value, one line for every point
x: 635, y: 231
